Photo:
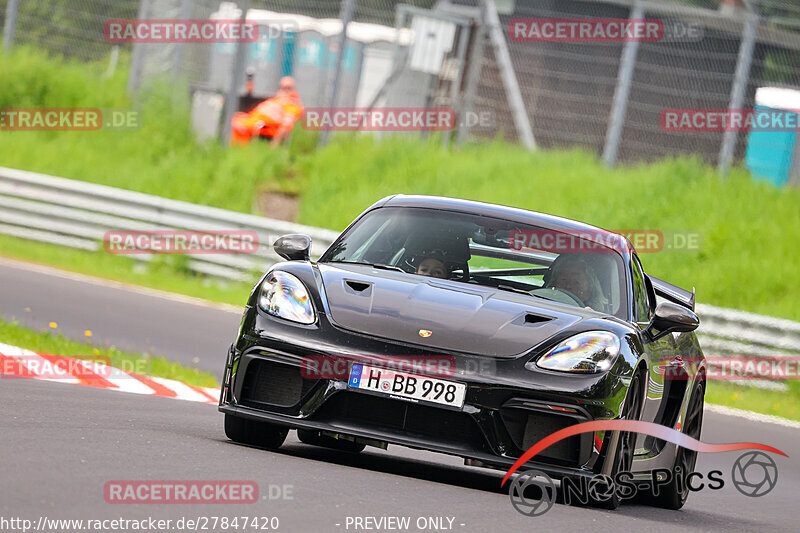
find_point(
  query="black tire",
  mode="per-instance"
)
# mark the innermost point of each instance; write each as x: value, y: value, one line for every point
x: 255, y: 433
x: 309, y: 436
x: 674, y: 495
x: 623, y: 458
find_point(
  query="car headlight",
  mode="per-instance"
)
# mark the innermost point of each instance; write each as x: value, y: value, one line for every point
x: 285, y: 296
x: 589, y: 352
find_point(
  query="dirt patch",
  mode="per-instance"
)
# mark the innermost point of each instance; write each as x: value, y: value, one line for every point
x: 278, y: 205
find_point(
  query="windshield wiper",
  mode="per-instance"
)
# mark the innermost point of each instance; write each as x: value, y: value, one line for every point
x: 387, y: 267
x: 380, y: 266
x: 513, y: 289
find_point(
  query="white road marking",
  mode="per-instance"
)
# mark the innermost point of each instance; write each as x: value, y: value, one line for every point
x: 35, y: 363
x: 113, y: 378
x: 184, y: 391
x: 751, y: 415
x: 119, y: 378
x: 212, y: 391
x: 126, y: 383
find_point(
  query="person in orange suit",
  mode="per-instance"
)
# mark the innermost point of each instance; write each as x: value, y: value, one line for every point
x: 274, y: 118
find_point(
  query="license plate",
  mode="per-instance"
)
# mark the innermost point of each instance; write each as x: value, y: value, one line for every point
x: 409, y: 387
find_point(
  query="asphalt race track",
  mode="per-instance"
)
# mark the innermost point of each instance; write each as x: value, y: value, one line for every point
x: 60, y: 444
x: 124, y: 317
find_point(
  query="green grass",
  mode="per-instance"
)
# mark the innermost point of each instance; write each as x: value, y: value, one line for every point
x: 163, y: 274
x: 56, y: 344
x: 750, y: 231
x: 784, y: 404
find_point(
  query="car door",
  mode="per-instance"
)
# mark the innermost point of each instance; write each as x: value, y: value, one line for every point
x: 659, y: 354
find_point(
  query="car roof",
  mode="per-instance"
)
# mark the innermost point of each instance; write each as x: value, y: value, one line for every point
x: 503, y: 212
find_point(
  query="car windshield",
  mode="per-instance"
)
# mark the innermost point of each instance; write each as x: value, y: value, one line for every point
x: 561, y: 266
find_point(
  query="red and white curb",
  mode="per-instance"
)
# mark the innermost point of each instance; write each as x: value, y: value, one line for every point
x: 21, y: 363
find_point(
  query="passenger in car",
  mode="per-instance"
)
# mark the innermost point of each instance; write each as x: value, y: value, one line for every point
x: 432, y: 267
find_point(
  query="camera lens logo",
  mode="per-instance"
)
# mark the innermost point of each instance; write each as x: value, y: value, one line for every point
x: 754, y: 474
x: 541, y: 493
x: 601, y: 488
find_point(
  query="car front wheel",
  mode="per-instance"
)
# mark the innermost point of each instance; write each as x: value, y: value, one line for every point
x: 673, y: 495
x: 623, y: 458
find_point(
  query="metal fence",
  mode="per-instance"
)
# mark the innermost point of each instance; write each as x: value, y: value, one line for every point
x: 608, y: 97
x: 69, y: 28
x: 78, y: 214
x: 604, y: 97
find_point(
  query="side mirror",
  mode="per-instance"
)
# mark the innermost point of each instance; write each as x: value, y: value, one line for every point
x: 293, y: 247
x: 671, y: 317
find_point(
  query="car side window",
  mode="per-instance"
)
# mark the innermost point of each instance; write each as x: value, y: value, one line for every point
x: 641, y: 303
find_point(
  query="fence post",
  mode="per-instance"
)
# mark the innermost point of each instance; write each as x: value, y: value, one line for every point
x: 738, y: 89
x: 475, y: 61
x: 237, y: 73
x: 180, y: 48
x: 346, y: 14
x: 137, y: 53
x: 10, y: 26
x: 622, y: 92
x: 515, y: 101
x: 455, y: 84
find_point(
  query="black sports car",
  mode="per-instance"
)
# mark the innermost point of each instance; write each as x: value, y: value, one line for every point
x: 470, y: 329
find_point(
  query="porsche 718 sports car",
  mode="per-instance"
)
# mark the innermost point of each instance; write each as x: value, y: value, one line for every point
x: 473, y: 330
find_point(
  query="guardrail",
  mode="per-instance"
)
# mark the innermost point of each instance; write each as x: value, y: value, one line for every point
x: 728, y: 333
x: 78, y: 214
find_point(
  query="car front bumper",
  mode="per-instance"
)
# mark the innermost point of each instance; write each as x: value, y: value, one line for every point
x: 507, y: 408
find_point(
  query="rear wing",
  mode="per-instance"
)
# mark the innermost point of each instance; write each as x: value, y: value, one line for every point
x: 673, y: 293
